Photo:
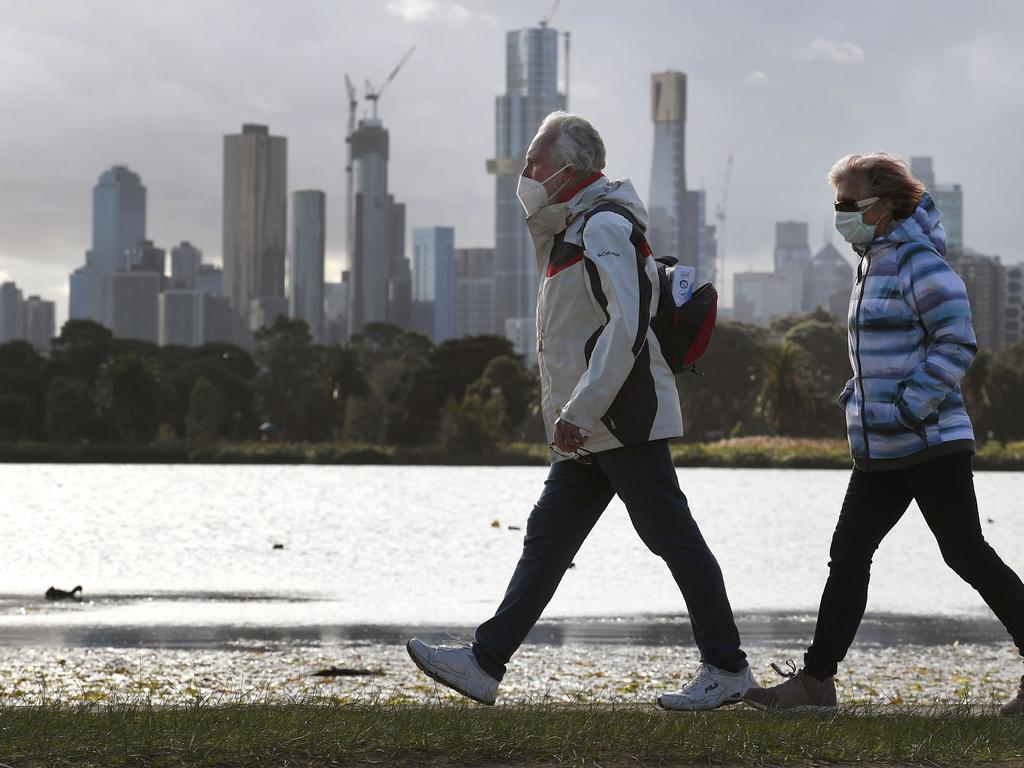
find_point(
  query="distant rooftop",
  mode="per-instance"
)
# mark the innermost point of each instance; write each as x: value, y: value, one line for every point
x: 120, y: 174
x: 255, y: 130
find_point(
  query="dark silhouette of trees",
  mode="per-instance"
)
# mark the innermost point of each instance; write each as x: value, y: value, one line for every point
x: 391, y: 386
x: 784, y: 401
x: 69, y: 410
x: 290, y: 391
x: 207, y: 414
x: 128, y: 397
x: 23, y: 375
x: 80, y: 349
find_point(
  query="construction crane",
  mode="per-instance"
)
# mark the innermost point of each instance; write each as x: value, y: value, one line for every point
x: 353, y: 106
x: 547, y: 19
x: 373, y: 93
x: 720, y: 218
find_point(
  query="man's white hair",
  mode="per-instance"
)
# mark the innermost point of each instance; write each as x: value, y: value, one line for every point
x: 574, y: 142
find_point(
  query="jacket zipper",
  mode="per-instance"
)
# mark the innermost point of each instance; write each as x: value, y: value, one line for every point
x: 860, y: 376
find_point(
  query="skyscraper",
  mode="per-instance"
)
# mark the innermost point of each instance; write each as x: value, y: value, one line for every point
x: 433, y: 278
x: 336, y: 313
x: 675, y: 222
x: 707, y: 242
x: 218, y: 320
x: 792, y: 245
x: 181, y: 317
x: 133, y: 307
x: 306, y: 273
x: 40, y: 322
x: 474, y: 291
x: 923, y: 170
x: 986, y: 281
x: 380, y: 287
x: 760, y: 297
x: 146, y: 257
x: 12, y: 313
x: 1013, y: 327
x: 134, y: 310
x: 255, y: 216
x: 118, y: 224
x: 210, y: 279
x: 185, y: 262
x: 792, y: 257
x: 949, y: 199
x: 827, y: 282
x: 531, y: 93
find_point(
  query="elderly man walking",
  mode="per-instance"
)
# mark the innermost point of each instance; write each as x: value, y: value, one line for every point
x: 610, y: 405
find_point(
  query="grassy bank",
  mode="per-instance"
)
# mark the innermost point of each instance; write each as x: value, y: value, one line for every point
x: 745, y: 452
x: 448, y: 735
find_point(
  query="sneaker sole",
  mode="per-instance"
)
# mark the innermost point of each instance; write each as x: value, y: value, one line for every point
x: 726, y: 703
x: 437, y: 678
x: 804, y: 709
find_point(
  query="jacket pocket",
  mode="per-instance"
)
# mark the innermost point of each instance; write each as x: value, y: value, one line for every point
x: 906, y: 419
x: 844, y: 396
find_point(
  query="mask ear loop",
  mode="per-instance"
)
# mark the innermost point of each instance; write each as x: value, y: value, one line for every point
x: 554, y: 194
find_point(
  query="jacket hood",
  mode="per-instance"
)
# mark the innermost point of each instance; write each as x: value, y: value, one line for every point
x: 924, y: 225
x: 620, y: 191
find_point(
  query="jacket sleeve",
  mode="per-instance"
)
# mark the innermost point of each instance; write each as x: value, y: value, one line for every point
x: 939, y: 298
x: 617, y: 280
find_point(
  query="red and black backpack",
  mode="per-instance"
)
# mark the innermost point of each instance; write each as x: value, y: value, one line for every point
x: 684, y: 333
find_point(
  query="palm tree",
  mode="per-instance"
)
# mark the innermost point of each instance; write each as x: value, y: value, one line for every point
x: 784, y: 400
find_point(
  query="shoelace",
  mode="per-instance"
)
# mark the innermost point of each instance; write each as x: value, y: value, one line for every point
x: 792, y: 670
x: 456, y: 642
x: 703, y: 674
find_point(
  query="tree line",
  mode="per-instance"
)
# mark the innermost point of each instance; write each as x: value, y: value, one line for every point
x: 392, y: 387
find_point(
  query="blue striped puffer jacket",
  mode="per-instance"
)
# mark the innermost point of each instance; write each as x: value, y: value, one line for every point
x: 911, y: 341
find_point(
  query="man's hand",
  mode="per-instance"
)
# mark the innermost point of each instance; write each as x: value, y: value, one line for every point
x: 568, y: 437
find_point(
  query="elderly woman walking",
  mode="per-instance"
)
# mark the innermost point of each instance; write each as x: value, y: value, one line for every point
x: 911, y: 341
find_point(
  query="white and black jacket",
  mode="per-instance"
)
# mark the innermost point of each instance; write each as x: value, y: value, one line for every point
x: 601, y: 367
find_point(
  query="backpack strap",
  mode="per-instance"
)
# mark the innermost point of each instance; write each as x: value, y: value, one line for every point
x: 637, y: 236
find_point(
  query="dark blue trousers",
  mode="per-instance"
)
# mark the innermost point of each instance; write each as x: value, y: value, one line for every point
x: 574, y: 497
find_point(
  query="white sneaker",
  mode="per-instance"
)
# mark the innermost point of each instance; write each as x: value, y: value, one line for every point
x: 710, y: 688
x: 456, y: 667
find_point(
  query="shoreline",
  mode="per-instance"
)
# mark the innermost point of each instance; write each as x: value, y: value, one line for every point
x: 790, y: 629
x: 737, y: 453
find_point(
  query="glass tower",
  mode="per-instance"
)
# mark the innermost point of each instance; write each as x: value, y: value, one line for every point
x: 306, y: 273
x: 531, y: 93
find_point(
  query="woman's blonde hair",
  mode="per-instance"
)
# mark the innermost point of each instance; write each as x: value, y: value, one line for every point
x: 884, y: 176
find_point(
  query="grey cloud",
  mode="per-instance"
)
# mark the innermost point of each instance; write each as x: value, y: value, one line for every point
x: 836, y: 51
x: 85, y: 85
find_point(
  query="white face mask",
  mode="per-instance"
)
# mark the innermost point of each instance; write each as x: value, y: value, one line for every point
x: 533, y: 195
x: 549, y: 220
x: 850, y: 224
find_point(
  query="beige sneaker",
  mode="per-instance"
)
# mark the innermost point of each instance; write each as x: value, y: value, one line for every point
x: 1015, y: 706
x: 800, y: 693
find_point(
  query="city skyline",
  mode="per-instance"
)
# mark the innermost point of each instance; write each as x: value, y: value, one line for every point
x: 749, y: 99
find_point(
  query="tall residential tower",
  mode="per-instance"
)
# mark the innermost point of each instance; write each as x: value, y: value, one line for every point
x: 255, y: 215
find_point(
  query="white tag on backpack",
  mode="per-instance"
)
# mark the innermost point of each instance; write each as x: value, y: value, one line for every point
x: 682, y: 278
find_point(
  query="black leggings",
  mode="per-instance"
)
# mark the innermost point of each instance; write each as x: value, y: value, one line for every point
x: 875, y: 501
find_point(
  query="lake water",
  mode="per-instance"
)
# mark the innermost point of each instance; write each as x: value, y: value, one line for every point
x: 186, y: 595
x: 192, y: 546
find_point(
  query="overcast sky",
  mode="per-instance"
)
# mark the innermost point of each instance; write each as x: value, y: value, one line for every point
x: 784, y: 86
